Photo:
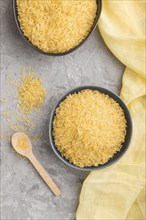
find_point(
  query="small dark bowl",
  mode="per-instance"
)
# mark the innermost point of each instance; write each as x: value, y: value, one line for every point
x: 99, y: 6
x: 117, y: 155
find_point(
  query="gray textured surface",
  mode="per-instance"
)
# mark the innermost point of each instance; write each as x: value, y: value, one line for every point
x: 23, y: 193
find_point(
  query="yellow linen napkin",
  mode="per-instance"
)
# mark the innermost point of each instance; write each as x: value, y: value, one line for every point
x: 118, y: 192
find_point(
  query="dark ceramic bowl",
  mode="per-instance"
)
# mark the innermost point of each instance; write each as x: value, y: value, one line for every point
x: 117, y: 155
x: 99, y: 5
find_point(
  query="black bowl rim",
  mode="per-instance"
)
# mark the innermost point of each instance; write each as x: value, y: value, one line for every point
x: 117, y: 156
x: 99, y: 2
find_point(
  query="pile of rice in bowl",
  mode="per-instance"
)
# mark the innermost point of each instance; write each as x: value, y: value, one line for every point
x: 56, y: 26
x: 89, y: 127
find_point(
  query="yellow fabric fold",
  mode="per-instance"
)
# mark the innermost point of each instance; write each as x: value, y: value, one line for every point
x: 118, y: 192
x: 137, y: 210
x: 122, y: 25
x: 133, y: 86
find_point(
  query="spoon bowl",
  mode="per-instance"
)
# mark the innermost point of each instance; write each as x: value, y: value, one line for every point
x: 25, y: 150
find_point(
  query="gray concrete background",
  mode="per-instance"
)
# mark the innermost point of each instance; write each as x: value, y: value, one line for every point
x: 24, y: 195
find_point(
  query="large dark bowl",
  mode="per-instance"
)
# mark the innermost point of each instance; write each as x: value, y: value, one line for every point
x: 99, y: 6
x: 117, y: 155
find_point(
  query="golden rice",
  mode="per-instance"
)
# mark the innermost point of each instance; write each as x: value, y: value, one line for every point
x: 56, y: 25
x: 89, y: 128
x: 31, y: 94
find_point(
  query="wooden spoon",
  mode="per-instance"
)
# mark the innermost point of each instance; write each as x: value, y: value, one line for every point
x: 27, y: 152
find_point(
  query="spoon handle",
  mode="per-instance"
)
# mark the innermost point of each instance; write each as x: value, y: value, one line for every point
x: 44, y: 174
